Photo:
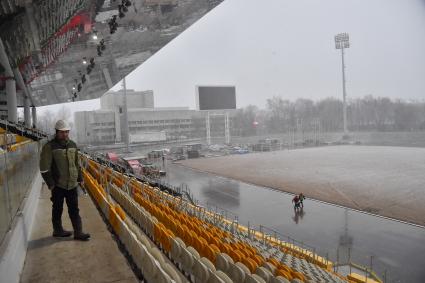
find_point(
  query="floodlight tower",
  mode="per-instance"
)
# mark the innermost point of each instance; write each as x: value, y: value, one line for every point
x: 342, y: 42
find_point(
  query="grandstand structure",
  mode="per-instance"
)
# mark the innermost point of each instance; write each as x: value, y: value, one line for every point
x: 171, y: 239
x: 55, y: 51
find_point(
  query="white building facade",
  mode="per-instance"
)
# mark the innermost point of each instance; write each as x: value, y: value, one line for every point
x: 146, y: 123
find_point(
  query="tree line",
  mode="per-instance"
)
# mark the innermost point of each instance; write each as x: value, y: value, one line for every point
x: 363, y: 114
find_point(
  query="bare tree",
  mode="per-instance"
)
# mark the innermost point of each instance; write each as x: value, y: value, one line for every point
x: 364, y: 114
x: 244, y: 121
x: 47, y: 120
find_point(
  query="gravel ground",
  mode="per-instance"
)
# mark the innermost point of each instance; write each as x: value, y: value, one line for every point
x: 388, y: 181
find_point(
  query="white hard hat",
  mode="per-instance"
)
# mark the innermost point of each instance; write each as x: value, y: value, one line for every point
x: 62, y: 125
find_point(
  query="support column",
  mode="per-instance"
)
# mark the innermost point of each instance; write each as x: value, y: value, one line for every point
x: 12, y: 107
x: 34, y: 116
x: 12, y: 111
x: 27, y: 114
x: 227, y: 127
x: 126, y: 126
x: 29, y: 10
x: 118, y: 135
x: 22, y: 85
x: 344, y: 93
x: 208, y: 126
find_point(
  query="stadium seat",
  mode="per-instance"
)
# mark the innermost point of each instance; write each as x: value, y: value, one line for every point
x: 149, y: 267
x: 264, y: 273
x: 208, y: 263
x: 187, y: 260
x: 222, y: 263
x: 254, y: 278
x: 244, y: 267
x: 270, y: 267
x: 162, y: 277
x: 156, y: 253
x: 176, y: 250
x: 150, y: 226
x: 219, y: 277
x: 200, y: 271
x: 172, y: 273
x: 279, y: 279
x: 283, y: 273
x: 194, y: 252
x: 236, y: 273
x: 224, y: 277
x: 250, y: 264
x: 144, y: 240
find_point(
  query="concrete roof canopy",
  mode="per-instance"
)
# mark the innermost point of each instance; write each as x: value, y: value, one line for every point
x: 77, y: 50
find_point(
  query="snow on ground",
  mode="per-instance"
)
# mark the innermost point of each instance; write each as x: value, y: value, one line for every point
x: 388, y: 181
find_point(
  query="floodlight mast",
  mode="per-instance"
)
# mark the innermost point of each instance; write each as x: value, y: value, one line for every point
x: 342, y: 42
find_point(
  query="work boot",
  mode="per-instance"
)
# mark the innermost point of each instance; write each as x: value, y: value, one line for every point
x: 61, y: 233
x: 78, y: 229
x: 81, y: 236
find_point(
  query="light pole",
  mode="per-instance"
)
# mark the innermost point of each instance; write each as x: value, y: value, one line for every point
x: 342, y: 42
x: 125, y: 110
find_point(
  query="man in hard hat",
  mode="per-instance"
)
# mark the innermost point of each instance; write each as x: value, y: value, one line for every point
x: 62, y: 174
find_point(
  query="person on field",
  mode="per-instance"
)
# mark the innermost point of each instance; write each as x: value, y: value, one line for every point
x: 296, y: 202
x: 62, y: 174
x: 301, y: 198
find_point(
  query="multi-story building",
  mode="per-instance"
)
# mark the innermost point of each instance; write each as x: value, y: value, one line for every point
x: 97, y: 127
x: 114, y: 100
x: 105, y: 126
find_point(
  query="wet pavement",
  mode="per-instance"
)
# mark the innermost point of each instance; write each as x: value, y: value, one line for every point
x: 396, y: 250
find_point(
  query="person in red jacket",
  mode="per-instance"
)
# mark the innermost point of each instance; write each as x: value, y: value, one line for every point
x: 296, y: 201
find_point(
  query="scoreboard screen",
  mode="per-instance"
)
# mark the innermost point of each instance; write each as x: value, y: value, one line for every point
x: 216, y: 97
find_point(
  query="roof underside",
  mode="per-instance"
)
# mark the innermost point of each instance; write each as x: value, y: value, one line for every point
x: 47, y: 41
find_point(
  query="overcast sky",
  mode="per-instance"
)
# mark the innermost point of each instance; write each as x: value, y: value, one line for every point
x: 286, y: 48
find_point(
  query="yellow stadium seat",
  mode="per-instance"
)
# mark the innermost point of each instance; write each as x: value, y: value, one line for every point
x: 283, y: 273
x: 250, y: 263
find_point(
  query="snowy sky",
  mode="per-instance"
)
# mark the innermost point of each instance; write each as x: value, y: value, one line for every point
x: 286, y: 48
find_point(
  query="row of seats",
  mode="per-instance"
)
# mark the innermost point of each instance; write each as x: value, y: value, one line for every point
x: 211, y: 243
x: 288, y: 247
x: 148, y: 258
x: 197, y: 268
x: 199, y: 257
x: 12, y: 142
x: 21, y: 131
x: 151, y: 190
x: 291, y: 256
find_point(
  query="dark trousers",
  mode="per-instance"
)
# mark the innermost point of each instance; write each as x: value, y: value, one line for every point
x: 71, y: 197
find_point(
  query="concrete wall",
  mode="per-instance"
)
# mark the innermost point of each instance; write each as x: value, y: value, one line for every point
x: 81, y: 126
x: 95, y: 126
x: 14, y: 246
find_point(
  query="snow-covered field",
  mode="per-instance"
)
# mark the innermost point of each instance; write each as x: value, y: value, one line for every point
x: 388, y: 181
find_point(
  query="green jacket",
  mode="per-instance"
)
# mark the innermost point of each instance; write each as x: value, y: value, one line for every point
x: 59, y: 164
